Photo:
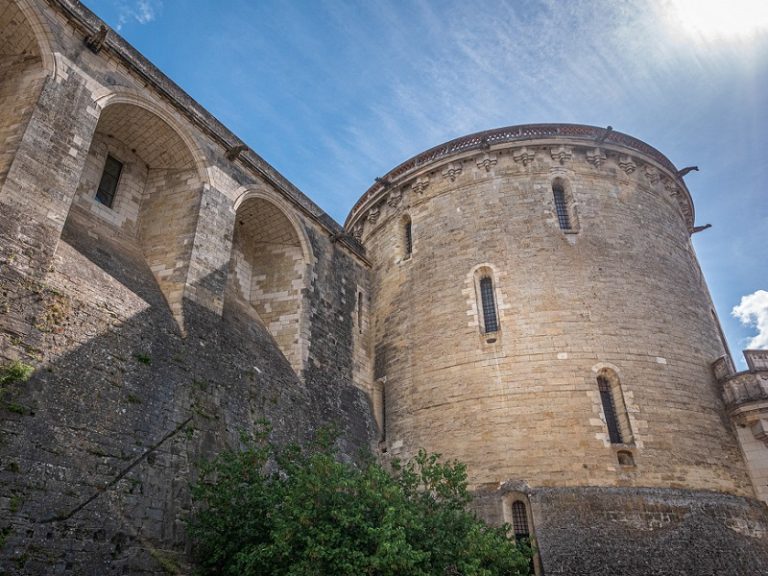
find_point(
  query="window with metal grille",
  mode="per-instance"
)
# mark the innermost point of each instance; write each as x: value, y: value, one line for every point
x: 490, y: 322
x: 520, y: 520
x: 408, y: 239
x: 109, y: 179
x: 561, y: 207
x: 609, y: 408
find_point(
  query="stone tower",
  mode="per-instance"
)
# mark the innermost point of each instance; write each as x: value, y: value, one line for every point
x: 539, y: 314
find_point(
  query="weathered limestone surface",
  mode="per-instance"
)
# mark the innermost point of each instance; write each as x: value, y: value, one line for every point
x: 146, y: 361
x: 620, y: 291
x: 212, y: 293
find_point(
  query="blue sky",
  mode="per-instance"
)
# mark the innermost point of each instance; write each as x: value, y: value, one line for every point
x: 336, y: 92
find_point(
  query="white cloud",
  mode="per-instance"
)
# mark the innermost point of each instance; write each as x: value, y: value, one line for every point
x: 753, y: 311
x: 142, y: 11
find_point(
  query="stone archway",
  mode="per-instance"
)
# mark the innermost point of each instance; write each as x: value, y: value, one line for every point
x: 269, y: 270
x: 24, y: 63
x: 153, y: 192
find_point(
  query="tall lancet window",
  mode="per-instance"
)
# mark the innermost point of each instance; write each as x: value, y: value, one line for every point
x: 407, y: 238
x: 561, y: 206
x: 490, y: 319
x: 614, y: 409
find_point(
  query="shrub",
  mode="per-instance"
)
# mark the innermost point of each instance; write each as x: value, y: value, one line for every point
x: 300, y: 512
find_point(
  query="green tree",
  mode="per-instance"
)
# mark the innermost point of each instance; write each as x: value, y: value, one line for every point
x: 303, y: 512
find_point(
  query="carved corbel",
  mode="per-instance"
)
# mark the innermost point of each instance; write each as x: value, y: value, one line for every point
x: 596, y: 157
x: 373, y: 215
x: 671, y: 188
x: 627, y: 164
x: 357, y: 231
x: 421, y: 184
x: 652, y: 174
x: 452, y: 170
x: 524, y: 156
x: 486, y: 161
x: 394, y: 197
x: 561, y: 153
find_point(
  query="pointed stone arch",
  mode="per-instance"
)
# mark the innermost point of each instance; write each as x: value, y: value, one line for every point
x: 269, y: 271
x: 160, y: 179
x: 26, y: 60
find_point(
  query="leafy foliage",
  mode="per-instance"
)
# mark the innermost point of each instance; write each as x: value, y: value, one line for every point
x: 15, y: 372
x: 265, y: 511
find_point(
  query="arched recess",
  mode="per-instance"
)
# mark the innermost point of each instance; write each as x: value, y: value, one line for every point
x: 565, y: 205
x: 25, y: 61
x: 156, y: 181
x: 485, y: 302
x: 614, y: 407
x: 269, y: 272
x: 516, y: 510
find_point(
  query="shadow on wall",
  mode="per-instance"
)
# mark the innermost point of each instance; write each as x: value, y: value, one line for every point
x: 98, y: 450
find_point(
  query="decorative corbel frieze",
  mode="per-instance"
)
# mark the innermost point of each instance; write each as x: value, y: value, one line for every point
x: 627, y: 164
x: 373, y: 215
x: 652, y: 174
x: 596, y: 157
x: 452, y: 170
x: 421, y: 184
x: 486, y: 161
x: 395, y: 195
x: 561, y: 153
x: 524, y: 155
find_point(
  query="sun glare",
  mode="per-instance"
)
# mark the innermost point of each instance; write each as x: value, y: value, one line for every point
x: 722, y: 18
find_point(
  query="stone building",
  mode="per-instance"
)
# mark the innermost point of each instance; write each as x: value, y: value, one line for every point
x: 525, y: 299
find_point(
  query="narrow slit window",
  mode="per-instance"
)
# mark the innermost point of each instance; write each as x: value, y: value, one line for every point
x: 609, y: 408
x: 520, y: 521
x: 360, y: 312
x: 561, y: 206
x: 109, y: 179
x: 490, y: 321
x: 408, y: 238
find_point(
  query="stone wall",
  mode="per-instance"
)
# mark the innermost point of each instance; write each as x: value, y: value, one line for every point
x: 145, y: 363
x: 619, y: 296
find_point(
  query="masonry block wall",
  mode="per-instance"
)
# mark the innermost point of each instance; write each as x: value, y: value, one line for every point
x: 601, y: 289
x: 146, y: 360
x: 527, y: 301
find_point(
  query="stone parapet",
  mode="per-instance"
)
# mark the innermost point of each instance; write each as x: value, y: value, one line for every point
x: 745, y: 389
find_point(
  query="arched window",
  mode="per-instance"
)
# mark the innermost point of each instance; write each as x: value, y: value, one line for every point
x: 517, y: 515
x: 561, y: 206
x: 407, y: 238
x: 490, y: 319
x: 612, y: 399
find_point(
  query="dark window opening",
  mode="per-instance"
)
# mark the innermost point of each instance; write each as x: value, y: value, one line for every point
x: 490, y: 321
x: 360, y: 312
x: 408, y: 239
x: 609, y: 408
x: 109, y: 179
x: 561, y: 207
x: 520, y: 521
